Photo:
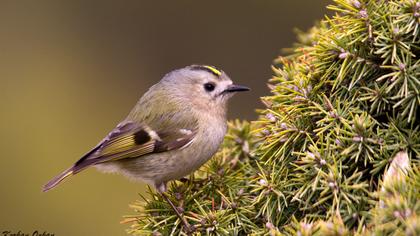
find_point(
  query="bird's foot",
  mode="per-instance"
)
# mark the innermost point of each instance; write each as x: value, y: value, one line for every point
x: 184, y: 180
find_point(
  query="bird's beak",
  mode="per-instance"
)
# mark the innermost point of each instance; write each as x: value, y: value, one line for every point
x: 236, y: 88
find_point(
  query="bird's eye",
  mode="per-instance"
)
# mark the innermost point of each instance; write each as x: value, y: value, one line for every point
x: 209, y: 87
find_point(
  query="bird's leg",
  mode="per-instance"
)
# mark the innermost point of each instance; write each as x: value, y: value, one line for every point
x: 161, y: 188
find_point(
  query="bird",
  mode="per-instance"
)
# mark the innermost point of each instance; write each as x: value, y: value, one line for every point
x: 173, y: 129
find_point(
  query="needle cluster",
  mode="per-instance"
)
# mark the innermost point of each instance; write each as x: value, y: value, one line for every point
x: 336, y: 151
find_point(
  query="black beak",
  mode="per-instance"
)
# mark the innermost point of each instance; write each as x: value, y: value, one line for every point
x: 236, y: 88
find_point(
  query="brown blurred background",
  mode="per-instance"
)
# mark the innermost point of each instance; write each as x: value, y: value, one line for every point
x: 71, y: 70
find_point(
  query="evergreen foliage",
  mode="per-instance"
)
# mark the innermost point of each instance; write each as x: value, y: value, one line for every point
x: 344, y: 105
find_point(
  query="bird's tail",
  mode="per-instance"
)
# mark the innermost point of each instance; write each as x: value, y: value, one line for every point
x: 56, y: 180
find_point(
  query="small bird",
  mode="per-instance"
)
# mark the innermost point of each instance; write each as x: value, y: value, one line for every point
x: 175, y: 127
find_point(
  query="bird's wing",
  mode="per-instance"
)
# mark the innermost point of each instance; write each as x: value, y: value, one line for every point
x: 130, y: 139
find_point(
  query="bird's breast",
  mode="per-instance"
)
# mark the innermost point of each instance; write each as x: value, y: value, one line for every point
x: 204, y: 146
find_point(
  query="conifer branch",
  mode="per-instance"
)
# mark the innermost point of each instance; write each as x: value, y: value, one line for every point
x: 344, y: 106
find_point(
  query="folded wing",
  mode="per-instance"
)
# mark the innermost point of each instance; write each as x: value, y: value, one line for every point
x: 129, y: 140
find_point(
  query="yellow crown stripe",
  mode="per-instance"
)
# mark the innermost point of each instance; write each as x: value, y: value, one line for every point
x: 214, y: 70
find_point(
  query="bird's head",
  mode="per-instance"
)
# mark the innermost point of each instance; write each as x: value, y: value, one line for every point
x: 204, y: 86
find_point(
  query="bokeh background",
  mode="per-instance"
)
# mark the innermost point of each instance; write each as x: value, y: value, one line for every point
x: 71, y: 70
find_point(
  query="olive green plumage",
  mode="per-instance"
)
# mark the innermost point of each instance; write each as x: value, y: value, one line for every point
x: 175, y: 127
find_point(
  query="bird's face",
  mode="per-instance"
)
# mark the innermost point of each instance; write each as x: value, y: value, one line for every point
x: 205, y: 86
